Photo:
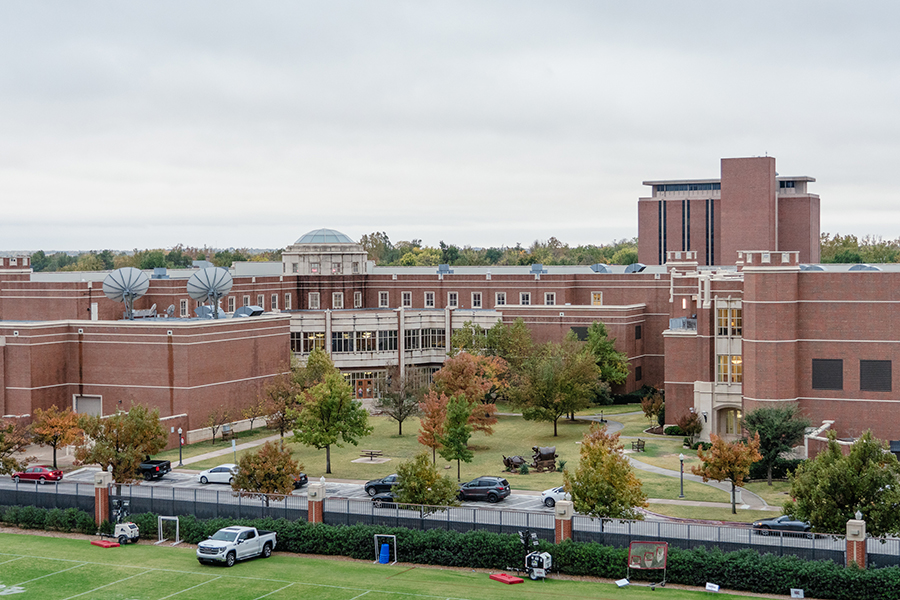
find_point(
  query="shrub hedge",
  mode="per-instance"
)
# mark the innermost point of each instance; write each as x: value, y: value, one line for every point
x: 745, y: 570
x: 673, y: 430
x: 780, y: 469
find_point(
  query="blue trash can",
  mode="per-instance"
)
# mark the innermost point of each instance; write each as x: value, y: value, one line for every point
x: 385, y: 556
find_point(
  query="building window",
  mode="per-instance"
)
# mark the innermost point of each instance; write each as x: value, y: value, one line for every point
x: 596, y: 298
x: 407, y: 299
x: 356, y: 268
x: 335, y: 268
x: 314, y: 301
x: 638, y: 373
x: 274, y: 303
x: 387, y: 341
x: 434, y: 338
x: 297, y: 342
x: 429, y: 299
x: 500, y: 299
x: 827, y: 374
x: 314, y: 268
x: 337, y: 300
x: 737, y: 369
x: 295, y: 267
x: 287, y: 302
x: 525, y: 298
x: 637, y: 332
x: 261, y: 301
x: 731, y: 421
x: 357, y: 299
x: 183, y: 308
x: 476, y: 299
x: 246, y: 301
x: 231, y: 302
x: 730, y: 321
x: 341, y: 341
x: 730, y: 368
x: 452, y: 299
x: 411, y: 339
x: 875, y: 375
x: 384, y: 299
x: 313, y: 341
x: 366, y: 341
x: 549, y: 298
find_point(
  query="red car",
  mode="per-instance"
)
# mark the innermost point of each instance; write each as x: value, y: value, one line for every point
x: 41, y: 473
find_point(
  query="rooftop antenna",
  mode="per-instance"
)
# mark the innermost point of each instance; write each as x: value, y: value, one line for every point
x: 210, y: 285
x: 126, y: 285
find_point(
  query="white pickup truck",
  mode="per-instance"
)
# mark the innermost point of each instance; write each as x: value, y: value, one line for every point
x: 232, y: 544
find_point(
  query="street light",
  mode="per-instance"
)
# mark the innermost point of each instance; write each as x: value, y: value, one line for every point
x: 180, y: 443
x: 681, y: 459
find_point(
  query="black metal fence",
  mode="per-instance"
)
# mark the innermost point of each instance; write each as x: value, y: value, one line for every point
x: 210, y: 504
x: 50, y: 496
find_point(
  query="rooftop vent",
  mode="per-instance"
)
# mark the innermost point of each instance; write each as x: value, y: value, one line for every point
x: 538, y: 269
x: 635, y: 268
x: 249, y: 311
x: 444, y: 270
x: 812, y: 268
x: 600, y: 268
x: 864, y: 268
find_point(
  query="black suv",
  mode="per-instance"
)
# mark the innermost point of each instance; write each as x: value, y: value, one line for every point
x: 491, y: 489
x: 385, y: 484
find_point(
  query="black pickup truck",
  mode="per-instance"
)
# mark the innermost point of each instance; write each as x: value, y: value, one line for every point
x: 155, y: 469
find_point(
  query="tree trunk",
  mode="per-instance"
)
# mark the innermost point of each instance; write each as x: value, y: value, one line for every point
x: 399, y: 427
x: 554, y: 426
x: 733, y: 508
x: 434, y: 455
x: 328, y: 459
x: 54, y: 458
x: 457, y: 470
x: 769, y: 474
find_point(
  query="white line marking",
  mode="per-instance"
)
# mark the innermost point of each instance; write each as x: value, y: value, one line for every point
x: 11, y: 560
x: 273, y: 591
x: 191, y: 588
x: 51, y: 574
x: 360, y: 596
x: 109, y: 584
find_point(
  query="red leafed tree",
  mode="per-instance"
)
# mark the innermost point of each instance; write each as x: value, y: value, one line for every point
x: 55, y: 428
x: 480, y: 379
x: 728, y: 462
x: 433, y: 411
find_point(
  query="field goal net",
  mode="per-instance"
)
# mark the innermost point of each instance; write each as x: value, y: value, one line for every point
x: 163, y: 530
x: 380, y: 555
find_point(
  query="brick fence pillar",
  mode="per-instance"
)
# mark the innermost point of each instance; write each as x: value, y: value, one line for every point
x: 564, y: 511
x: 856, y: 542
x: 315, y: 496
x: 102, y: 480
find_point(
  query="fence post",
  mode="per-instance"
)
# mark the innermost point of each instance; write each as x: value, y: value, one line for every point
x: 563, y: 528
x: 102, y: 480
x: 856, y: 542
x: 315, y: 498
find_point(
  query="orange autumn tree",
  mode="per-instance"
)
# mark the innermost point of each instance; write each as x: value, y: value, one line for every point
x: 55, y: 428
x: 480, y: 379
x: 728, y: 462
x: 433, y: 416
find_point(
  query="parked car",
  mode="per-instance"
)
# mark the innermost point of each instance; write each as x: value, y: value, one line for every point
x: 154, y: 469
x: 492, y: 489
x: 41, y: 473
x: 300, y: 480
x: 782, y: 523
x: 553, y: 495
x: 220, y: 474
x: 385, y: 484
x: 231, y: 544
x: 384, y: 500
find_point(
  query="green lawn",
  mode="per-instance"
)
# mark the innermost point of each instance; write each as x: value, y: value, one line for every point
x: 706, y: 513
x: 775, y: 494
x: 55, y: 569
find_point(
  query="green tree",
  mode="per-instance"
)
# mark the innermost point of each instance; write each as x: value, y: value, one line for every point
x: 829, y: 489
x: 108, y: 259
x: 604, y: 484
x: 312, y: 372
x: 400, y: 399
x: 13, y: 440
x: 728, y: 462
x: 330, y: 417
x: 613, y: 365
x: 420, y: 482
x: 780, y: 429
x: 269, y: 470
x: 457, y: 431
x: 624, y: 256
x: 152, y: 259
x: 282, y: 397
x: 55, y: 428
x: 121, y: 440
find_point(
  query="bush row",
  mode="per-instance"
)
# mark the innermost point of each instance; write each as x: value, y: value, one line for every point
x: 745, y: 570
x: 780, y: 469
x: 68, y: 520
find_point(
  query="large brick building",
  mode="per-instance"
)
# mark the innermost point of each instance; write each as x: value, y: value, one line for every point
x: 763, y: 327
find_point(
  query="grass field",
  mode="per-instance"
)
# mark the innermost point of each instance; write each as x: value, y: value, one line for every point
x: 48, y: 568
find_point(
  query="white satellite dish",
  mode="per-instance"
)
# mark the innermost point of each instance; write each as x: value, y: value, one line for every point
x: 210, y: 285
x: 126, y: 285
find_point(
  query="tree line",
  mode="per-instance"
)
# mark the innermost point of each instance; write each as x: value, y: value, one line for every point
x: 178, y: 257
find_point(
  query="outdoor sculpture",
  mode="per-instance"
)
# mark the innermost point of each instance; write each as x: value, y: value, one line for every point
x: 512, y: 463
x: 544, y: 458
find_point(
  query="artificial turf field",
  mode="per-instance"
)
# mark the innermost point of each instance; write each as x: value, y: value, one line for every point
x: 49, y: 568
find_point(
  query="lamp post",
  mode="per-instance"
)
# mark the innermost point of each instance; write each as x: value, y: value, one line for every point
x: 180, y: 443
x: 681, y: 459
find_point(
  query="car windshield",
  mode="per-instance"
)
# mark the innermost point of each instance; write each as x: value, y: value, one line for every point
x: 224, y: 536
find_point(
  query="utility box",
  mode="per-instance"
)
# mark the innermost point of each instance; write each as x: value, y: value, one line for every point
x: 856, y: 531
x: 315, y: 492
x: 537, y: 564
x: 564, y: 509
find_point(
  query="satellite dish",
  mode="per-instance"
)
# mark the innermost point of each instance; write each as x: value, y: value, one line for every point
x: 170, y: 312
x: 210, y: 285
x: 126, y: 285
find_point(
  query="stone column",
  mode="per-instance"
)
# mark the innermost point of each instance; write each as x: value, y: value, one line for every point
x: 315, y: 496
x: 856, y: 542
x: 564, y: 511
x: 102, y: 481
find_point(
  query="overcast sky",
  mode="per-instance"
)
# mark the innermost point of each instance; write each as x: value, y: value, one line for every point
x: 148, y: 124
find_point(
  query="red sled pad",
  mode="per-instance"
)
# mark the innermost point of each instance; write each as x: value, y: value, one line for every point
x: 105, y: 544
x: 504, y: 578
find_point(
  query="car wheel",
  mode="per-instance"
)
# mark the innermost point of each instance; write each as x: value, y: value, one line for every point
x: 533, y: 575
x: 810, y: 535
x: 549, y: 502
x: 43, y: 480
x: 16, y: 478
x: 493, y: 498
x: 371, y: 491
x: 764, y: 530
x: 123, y: 540
x: 230, y: 480
x: 147, y: 476
x: 204, y: 480
x: 230, y: 559
x: 267, y: 551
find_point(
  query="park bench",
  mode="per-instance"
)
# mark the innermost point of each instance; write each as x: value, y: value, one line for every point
x: 227, y: 433
x: 372, y: 454
x: 638, y: 445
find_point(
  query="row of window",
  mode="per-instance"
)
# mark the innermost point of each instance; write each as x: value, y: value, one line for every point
x: 688, y: 187
x: 874, y: 375
x: 729, y: 368
x: 369, y: 341
x: 337, y: 268
x: 231, y: 303
x: 730, y: 321
x: 337, y: 300
x: 477, y: 299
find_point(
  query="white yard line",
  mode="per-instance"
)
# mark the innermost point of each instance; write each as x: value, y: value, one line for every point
x: 360, y: 596
x: 192, y: 587
x: 109, y: 584
x: 274, y: 591
x: 11, y: 560
x: 81, y: 564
